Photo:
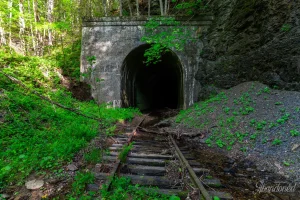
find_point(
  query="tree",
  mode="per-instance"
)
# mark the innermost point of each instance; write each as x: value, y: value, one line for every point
x: 50, y: 7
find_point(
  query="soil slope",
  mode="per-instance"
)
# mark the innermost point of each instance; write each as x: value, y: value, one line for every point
x: 251, y: 121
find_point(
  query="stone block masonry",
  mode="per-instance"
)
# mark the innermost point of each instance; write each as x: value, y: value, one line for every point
x: 113, y: 76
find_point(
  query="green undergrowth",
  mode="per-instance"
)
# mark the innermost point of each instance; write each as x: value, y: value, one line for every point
x: 36, y: 135
x: 121, y: 189
x: 243, y: 119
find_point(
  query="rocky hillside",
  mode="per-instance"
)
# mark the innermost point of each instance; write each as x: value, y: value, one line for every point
x: 252, y: 41
x: 251, y: 121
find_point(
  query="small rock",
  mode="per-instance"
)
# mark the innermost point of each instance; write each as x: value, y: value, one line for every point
x: 295, y: 146
x: 34, y: 184
x: 98, y: 167
x: 250, y: 170
x: 72, y: 167
x: 92, y: 187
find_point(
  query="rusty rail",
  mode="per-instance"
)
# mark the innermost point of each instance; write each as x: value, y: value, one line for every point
x: 193, y: 175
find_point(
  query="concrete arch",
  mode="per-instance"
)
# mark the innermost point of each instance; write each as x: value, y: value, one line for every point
x: 151, y: 87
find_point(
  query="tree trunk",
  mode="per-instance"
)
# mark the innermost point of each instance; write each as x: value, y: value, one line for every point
x: 161, y: 5
x: 10, y: 3
x: 166, y: 6
x: 31, y: 28
x: 50, y: 7
x: 105, y: 7
x: 37, y: 33
x: 137, y: 8
x: 2, y: 33
x: 22, y: 26
x: 149, y: 7
x: 121, y: 9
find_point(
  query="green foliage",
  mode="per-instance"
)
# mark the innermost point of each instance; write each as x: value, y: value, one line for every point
x: 286, y: 163
x: 295, y: 133
x: 286, y: 27
x: 216, y: 198
x: 227, y: 129
x: 121, y: 189
x: 81, y: 180
x: 163, y: 34
x: 261, y: 125
x: 124, y: 152
x: 264, y: 90
x: 94, y: 156
x: 91, y: 60
x: 190, y: 8
x: 68, y: 59
x: 110, y: 130
x: 39, y: 136
x: 276, y: 141
x: 283, y: 119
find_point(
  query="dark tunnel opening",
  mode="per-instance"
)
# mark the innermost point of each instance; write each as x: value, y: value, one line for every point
x: 154, y: 86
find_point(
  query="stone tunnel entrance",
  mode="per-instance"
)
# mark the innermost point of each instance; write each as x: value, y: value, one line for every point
x: 151, y: 87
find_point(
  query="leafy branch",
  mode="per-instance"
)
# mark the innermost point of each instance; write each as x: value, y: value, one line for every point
x: 163, y: 34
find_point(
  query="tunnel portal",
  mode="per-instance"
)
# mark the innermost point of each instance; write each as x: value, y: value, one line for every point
x: 154, y: 86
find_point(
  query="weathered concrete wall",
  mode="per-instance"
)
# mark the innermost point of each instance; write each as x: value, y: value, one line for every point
x: 252, y: 40
x: 110, y: 40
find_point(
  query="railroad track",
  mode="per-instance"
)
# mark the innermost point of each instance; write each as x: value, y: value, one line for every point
x: 148, y: 162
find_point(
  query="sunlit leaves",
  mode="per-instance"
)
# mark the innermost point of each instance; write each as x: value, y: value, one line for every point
x: 163, y: 34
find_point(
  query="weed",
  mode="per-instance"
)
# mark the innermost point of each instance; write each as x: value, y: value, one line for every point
x: 252, y: 122
x: 243, y: 149
x: 261, y: 125
x: 226, y: 110
x: 264, y: 141
x: 283, y: 119
x: 294, y: 133
x: 208, y: 142
x: 267, y: 90
x: 208, y: 177
x: 230, y: 120
x: 235, y: 113
x: 110, y: 130
x: 81, y: 179
x: 93, y: 157
x: 285, y: 163
x: 220, y: 143
x: 278, y: 103
x: 264, y: 90
x: 253, y: 136
x: 276, y: 142
x: 272, y: 124
x: 286, y: 27
x: 124, y: 151
x: 246, y: 110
